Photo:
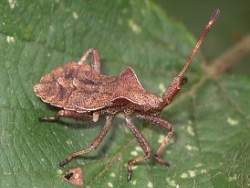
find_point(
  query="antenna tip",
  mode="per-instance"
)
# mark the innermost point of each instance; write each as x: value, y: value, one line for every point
x: 215, y: 15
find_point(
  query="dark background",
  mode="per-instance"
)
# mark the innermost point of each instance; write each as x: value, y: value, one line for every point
x: 232, y: 24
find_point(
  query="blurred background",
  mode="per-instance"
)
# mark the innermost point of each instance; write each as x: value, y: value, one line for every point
x: 232, y: 25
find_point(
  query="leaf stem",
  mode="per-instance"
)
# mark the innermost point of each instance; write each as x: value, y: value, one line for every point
x: 228, y: 59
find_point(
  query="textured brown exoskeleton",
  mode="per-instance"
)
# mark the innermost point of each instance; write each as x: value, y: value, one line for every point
x: 83, y: 93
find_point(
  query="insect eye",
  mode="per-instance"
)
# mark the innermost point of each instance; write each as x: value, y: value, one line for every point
x: 184, y: 80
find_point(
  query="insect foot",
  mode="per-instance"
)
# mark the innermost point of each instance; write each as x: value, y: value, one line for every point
x: 82, y: 92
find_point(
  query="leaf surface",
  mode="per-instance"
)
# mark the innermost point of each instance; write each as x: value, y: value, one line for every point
x: 210, y: 146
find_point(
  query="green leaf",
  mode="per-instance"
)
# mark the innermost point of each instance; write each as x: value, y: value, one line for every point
x: 210, y: 145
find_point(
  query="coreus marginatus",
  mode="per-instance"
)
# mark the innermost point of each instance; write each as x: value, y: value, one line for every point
x: 84, y: 93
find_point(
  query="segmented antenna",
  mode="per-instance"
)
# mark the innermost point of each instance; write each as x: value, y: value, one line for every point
x: 178, y: 81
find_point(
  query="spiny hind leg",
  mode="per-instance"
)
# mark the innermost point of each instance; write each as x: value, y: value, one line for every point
x: 67, y: 113
x: 94, y: 144
x: 95, y: 60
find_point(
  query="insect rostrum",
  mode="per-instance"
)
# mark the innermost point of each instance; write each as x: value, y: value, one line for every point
x: 82, y: 92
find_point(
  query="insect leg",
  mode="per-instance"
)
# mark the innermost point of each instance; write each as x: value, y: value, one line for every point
x: 95, y: 60
x: 66, y: 113
x: 145, y: 146
x: 160, y: 123
x: 94, y: 144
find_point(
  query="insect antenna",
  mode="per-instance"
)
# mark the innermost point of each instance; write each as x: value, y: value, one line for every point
x: 178, y: 81
x: 197, y: 46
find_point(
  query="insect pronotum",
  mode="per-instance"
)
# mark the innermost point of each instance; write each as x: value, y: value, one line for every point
x: 82, y: 92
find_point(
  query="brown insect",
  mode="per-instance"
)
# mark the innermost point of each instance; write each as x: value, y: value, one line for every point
x: 83, y: 93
